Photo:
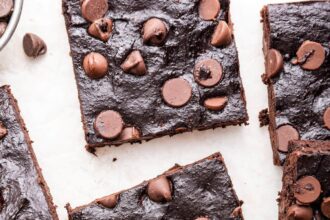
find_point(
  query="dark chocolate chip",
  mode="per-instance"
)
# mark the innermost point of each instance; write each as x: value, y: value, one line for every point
x: 154, y: 32
x: 296, y: 212
x: 208, y: 72
x: 311, y: 55
x: 3, y: 131
x: 134, y: 64
x: 3, y: 27
x: 130, y: 133
x: 94, y: 9
x: 176, y: 92
x: 6, y: 7
x: 216, y: 103
x: 325, y: 207
x: 109, y: 124
x: 307, y: 190
x: 237, y: 212
x: 160, y: 189
x: 95, y: 65
x: 109, y: 201
x: 326, y: 118
x: 101, y: 29
x: 33, y: 45
x: 209, y: 9
x: 274, y: 63
x: 286, y: 133
x: 222, y: 35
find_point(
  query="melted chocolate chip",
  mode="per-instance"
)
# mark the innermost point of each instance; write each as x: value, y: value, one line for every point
x: 134, y: 64
x: 286, y: 133
x: 154, y: 32
x: 176, y: 92
x: 101, y: 29
x: 222, y: 35
x: 307, y: 189
x: 95, y: 65
x: 311, y: 55
x: 208, y: 72
x: 109, y: 124
x: 274, y: 63
x: 94, y: 9
x: 209, y: 9
x: 160, y: 189
x: 296, y: 212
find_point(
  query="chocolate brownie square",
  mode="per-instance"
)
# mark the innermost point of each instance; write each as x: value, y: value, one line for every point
x: 23, y: 191
x: 306, y: 182
x: 297, y: 54
x: 146, y: 69
x: 199, y: 191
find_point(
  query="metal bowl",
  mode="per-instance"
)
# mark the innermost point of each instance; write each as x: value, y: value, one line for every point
x: 18, y: 5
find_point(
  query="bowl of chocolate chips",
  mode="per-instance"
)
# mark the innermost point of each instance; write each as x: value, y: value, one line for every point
x: 10, y: 12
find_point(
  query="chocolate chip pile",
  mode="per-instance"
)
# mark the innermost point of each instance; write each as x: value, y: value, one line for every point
x: 6, y: 9
x: 175, y: 92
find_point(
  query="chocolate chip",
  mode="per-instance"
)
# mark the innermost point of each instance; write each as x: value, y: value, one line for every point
x: 160, y: 189
x: 134, y: 64
x: 6, y: 7
x: 208, y: 72
x: 130, y: 133
x: 95, y: 65
x: 222, y: 35
x: 209, y: 9
x: 326, y: 118
x: 296, y: 212
x: 101, y: 29
x: 33, y: 45
x: 109, y: 201
x: 176, y: 92
x: 307, y: 190
x: 215, y: 103
x: 109, y: 124
x: 286, y: 133
x: 94, y: 9
x: 274, y: 63
x: 311, y: 55
x: 3, y: 27
x: 154, y: 32
x: 237, y: 212
x: 3, y: 131
x: 325, y: 207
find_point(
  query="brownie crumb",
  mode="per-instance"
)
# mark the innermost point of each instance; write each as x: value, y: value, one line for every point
x: 264, y: 117
x: 114, y: 159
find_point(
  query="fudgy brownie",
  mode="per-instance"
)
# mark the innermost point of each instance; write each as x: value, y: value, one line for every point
x: 146, y: 69
x: 23, y: 191
x: 296, y: 48
x: 199, y: 191
x: 306, y: 182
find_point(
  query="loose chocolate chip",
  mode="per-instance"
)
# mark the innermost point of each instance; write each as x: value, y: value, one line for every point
x: 160, y: 189
x: 311, y: 55
x: 296, y: 212
x: 286, y: 133
x: 274, y: 63
x: 134, y: 64
x: 307, y: 190
x: 208, y: 72
x: 209, y: 9
x: 6, y: 6
x: 101, y: 29
x: 95, y: 65
x: 154, y: 32
x: 3, y: 27
x: 130, y: 133
x: 109, y: 124
x: 94, y: 9
x: 222, y: 35
x: 3, y: 131
x: 109, y: 201
x: 325, y: 207
x: 33, y: 45
x: 326, y: 118
x: 216, y: 103
x: 176, y: 92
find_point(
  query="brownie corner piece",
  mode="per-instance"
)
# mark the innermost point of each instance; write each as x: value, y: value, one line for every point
x: 199, y: 191
x: 145, y: 70
x: 297, y: 62
x: 24, y: 193
x: 306, y: 182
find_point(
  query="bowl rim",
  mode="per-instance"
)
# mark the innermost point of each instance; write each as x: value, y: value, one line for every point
x: 13, y: 22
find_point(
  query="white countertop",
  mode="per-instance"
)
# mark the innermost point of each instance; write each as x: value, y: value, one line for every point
x: 47, y: 95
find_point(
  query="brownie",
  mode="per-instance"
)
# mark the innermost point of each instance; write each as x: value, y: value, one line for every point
x: 297, y: 60
x: 202, y: 190
x: 306, y: 182
x: 24, y: 193
x: 149, y: 69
